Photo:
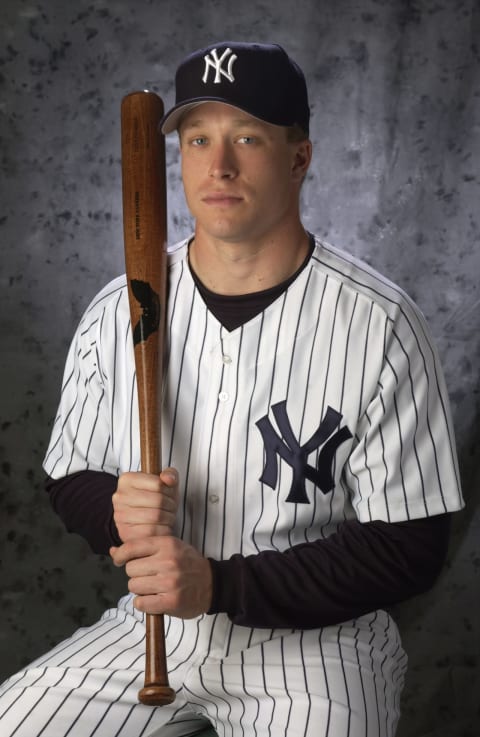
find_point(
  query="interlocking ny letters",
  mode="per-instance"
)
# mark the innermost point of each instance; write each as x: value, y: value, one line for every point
x: 212, y: 61
x: 296, y: 455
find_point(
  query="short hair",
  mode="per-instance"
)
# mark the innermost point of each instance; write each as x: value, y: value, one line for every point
x: 295, y: 133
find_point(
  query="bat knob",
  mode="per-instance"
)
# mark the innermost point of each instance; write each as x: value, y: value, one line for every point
x: 156, y: 695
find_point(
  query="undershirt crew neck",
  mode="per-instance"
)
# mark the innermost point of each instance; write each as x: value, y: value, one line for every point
x: 232, y: 311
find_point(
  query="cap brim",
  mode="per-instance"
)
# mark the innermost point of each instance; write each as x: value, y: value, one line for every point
x: 171, y: 120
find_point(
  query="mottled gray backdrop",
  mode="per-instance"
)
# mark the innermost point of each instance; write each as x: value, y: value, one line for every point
x: 395, y: 91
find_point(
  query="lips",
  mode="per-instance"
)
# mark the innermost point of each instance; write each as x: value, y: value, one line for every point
x: 221, y: 199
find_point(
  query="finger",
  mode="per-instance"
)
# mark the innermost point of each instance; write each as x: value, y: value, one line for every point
x: 130, y: 550
x: 164, y: 498
x: 152, y: 604
x: 145, y: 515
x: 169, y: 477
x: 141, y: 548
x: 147, y: 585
x: 139, y: 481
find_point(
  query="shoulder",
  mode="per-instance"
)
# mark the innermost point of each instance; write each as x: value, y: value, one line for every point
x: 111, y: 302
x: 358, y: 276
x: 111, y: 299
x: 365, y: 282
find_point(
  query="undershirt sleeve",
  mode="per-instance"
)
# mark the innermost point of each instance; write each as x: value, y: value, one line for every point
x: 83, y: 501
x: 360, y: 568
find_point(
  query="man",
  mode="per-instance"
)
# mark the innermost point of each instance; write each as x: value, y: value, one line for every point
x: 310, y: 460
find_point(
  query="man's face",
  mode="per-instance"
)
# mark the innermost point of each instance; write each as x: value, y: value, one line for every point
x: 241, y: 176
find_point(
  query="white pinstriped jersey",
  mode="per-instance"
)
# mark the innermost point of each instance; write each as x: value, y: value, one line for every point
x: 328, y: 405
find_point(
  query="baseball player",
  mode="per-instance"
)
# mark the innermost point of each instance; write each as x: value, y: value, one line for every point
x: 310, y: 467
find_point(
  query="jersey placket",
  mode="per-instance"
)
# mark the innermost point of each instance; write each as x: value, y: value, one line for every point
x: 223, y: 394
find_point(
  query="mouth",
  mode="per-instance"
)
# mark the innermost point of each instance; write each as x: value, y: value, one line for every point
x: 221, y: 199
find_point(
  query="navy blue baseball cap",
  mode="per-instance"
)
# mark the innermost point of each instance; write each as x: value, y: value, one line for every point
x: 260, y: 79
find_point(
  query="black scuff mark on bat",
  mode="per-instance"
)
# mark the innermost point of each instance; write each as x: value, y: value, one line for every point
x: 150, y: 303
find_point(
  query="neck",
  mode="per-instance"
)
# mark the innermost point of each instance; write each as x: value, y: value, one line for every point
x: 244, y: 268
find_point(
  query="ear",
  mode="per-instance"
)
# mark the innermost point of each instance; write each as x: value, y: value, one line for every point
x: 302, y: 156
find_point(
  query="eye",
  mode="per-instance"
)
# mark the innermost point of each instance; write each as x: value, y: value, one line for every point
x: 248, y: 140
x: 198, y: 141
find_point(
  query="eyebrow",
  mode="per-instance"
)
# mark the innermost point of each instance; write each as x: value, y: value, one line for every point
x: 238, y: 122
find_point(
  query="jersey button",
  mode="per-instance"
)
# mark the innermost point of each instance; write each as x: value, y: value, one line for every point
x: 223, y: 396
x: 213, y: 499
x: 226, y: 359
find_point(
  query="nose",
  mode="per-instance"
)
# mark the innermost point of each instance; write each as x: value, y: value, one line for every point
x: 222, y: 163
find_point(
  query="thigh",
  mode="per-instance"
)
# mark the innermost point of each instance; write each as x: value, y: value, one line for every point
x: 87, y: 685
x: 340, y: 681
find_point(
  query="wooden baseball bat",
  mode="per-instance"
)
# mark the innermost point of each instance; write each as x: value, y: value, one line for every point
x: 145, y: 230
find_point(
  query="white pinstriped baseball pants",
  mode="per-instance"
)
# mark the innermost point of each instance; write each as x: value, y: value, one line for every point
x: 340, y: 681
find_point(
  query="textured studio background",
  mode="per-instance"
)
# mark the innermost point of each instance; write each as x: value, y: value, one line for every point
x: 395, y: 92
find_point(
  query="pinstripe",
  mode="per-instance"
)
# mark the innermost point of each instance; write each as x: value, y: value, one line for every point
x: 342, y: 665
x: 263, y: 664
x: 328, y: 518
x: 247, y: 439
x: 176, y: 406
x: 415, y: 412
x: 180, y: 373
x: 308, y: 379
x: 75, y: 437
x: 363, y: 372
x: 297, y: 327
x: 401, y: 445
x: 224, y: 681
x: 229, y: 446
x: 274, y: 368
x: 360, y: 676
x: 284, y: 671
x: 245, y: 691
x: 114, y: 378
x: 209, y: 470
x: 147, y: 724
x: 329, y: 354
x: 216, y: 698
x: 327, y: 688
x: 67, y: 418
x: 94, y: 426
x: 305, y: 682
x: 385, y: 691
x: 300, y: 310
x: 227, y: 718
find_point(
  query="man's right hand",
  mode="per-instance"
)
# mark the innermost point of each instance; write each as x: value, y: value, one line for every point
x: 145, y: 505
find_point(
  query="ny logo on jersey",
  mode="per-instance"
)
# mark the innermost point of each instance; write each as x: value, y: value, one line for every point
x: 289, y: 449
x: 212, y: 61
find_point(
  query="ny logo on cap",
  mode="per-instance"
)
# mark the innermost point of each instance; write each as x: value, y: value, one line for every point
x: 213, y: 62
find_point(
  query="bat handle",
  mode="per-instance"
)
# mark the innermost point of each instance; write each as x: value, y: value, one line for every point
x: 156, y: 691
